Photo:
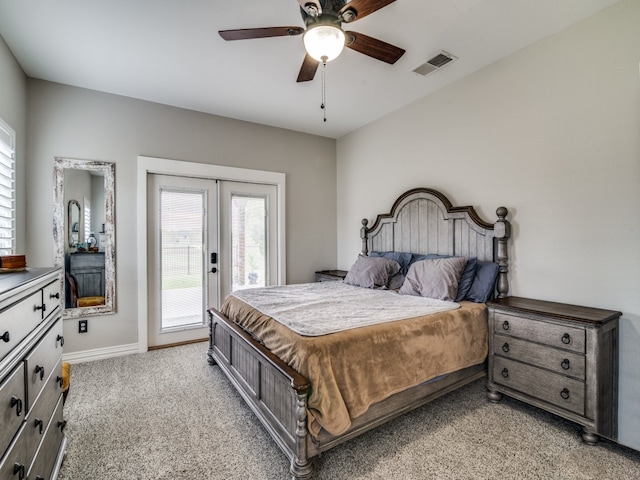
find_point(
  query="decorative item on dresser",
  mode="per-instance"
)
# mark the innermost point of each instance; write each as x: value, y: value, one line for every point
x: 562, y: 358
x: 330, y: 275
x: 15, y: 263
x: 32, y: 439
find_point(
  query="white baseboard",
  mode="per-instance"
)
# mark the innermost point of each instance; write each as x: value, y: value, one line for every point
x: 100, y: 353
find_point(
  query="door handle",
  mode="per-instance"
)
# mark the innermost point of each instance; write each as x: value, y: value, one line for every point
x: 214, y: 258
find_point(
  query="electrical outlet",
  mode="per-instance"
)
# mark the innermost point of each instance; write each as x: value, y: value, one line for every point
x: 82, y: 326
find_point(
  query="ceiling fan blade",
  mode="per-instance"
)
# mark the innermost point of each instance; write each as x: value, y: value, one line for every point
x: 373, y: 47
x: 364, y: 7
x: 247, y: 33
x: 308, y: 69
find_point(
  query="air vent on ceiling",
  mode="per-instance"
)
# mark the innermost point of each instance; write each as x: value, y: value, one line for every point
x: 434, y: 64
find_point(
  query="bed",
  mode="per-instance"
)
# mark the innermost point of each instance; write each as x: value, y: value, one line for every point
x: 421, y: 221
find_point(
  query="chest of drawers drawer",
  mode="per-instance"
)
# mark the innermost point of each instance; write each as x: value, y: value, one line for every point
x: 47, y: 453
x: 561, y: 336
x: 42, y: 409
x: 12, y: 406
x: 14, y: 463
x: 562, y: 358
x: 556, y: 360
x: 42, y: 361
x: 18, y: 320
x: 556, y: 389
x: 51, y: 298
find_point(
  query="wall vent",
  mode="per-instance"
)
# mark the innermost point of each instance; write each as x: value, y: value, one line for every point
x: 434, y: 64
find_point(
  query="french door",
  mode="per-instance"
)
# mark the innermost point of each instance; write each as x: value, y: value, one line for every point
x: 248, y: 226
x: 206, y: 238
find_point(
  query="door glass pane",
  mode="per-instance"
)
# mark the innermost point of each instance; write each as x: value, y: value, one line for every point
x: 248, y: 239
x: 182, y: 266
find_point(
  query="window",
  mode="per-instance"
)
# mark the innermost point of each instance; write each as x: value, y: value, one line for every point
x: 183, y: 232
x: 248, y: 239
x: 7, y: 189
x: 87, y: 220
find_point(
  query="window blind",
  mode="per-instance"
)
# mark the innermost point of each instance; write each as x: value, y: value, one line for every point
x: 7, y: 189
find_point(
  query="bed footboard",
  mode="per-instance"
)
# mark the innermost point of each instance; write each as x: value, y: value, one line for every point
x: 275, y: 392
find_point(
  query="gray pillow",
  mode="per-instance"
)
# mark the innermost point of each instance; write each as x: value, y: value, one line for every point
x: 403, y: 258
x: 434, y: 278
x: 484, y: 282
x: 372, y: 272
x: 466, y: 279
x: 396, y: 281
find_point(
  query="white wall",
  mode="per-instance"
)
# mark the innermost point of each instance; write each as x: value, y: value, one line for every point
x: 75, y: 123
x: 551, y: 132
x: 13, y: 110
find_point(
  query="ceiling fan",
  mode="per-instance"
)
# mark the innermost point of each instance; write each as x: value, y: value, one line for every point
x: 323, y: 37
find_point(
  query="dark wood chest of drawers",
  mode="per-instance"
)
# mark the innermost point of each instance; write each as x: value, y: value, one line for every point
x: 89, y: 271
x: 562, y: 358
x: 330, y: 275
x: 32, y: 438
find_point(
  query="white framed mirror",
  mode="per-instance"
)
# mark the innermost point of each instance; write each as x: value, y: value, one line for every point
x: 84, y: 235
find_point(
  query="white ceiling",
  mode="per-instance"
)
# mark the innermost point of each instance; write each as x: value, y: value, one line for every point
x: 169, y: 52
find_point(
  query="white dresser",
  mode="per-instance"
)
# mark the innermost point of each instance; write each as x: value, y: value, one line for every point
x: 32, y: 439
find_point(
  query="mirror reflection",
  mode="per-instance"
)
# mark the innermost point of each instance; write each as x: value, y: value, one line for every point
x: 74, y: 223
x: 83, y: 235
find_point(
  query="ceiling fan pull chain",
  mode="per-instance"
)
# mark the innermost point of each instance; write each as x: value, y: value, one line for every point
x: 324, y: 88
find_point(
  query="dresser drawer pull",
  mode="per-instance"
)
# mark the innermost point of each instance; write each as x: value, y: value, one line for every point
x: 19, y: 469
x: 566, y: 339
x: 565, y: 364
x: 38, y: 477
x: 60, y: 339
x: 62, y: 424
x: 6, y: 337
x: 564, y: 393
x: 505, y: 347
x: 505, y: 372
x: 40, y: 370
x: 38, y: 423
x: 55, y: 295
x: 505, y: 325
x: 42, y: 307
x: 17, y: 402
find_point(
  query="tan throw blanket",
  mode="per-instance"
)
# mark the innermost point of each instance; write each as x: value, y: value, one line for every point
x: 351, y: 370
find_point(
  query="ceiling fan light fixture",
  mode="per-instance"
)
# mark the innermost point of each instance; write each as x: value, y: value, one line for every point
x: 324, y: 42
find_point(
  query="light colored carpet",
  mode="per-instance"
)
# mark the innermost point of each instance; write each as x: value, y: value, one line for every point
x: 168, y: 414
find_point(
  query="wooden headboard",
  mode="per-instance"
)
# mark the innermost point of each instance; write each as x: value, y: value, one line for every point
x: 424, y: 221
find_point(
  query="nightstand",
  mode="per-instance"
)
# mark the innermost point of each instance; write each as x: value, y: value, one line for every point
x: 561, y: 358
x: 331, y: 275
